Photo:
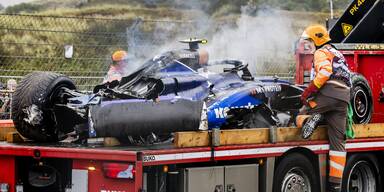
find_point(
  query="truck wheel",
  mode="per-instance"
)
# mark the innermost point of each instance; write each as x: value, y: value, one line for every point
x: 295, y: 172
x: 361, y: 99
x: 32, y: 105
x: 362, y: 173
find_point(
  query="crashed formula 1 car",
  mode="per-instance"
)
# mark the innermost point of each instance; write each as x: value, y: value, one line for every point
x: 166, y: 94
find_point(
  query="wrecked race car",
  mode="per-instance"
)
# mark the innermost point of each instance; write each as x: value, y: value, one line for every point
x: 166, y: 94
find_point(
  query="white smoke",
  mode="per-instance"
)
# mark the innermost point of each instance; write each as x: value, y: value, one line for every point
x: 264, y: 41
x: 167, y: 33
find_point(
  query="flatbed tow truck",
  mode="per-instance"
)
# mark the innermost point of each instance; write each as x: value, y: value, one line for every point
x: 262, y: 159
x: 239, y: 167
x: 244, y: 167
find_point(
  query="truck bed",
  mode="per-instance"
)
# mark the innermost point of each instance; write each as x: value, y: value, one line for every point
x: 232, y: 144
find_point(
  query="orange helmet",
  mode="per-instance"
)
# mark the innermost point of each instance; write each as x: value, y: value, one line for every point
x: 119, y: 56
x: 317, y: 33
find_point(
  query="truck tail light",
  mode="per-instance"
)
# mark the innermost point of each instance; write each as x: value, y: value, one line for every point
x: 119, y: 170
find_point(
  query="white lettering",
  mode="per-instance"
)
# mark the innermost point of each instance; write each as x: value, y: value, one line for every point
x: 148, y: 158
x: 268, y: 88
x: 219, y: 112
x: 222, y: 112
x: 187, y: 55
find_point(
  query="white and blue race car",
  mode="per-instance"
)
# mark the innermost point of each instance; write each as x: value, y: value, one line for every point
x: 166, y: 94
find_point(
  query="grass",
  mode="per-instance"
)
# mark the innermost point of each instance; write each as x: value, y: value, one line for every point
x: 118, y: 12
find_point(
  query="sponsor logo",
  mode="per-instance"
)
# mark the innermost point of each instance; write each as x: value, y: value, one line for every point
x: 268, y: 89
x: 221, y: 112
x: 187, y: 55
x: 148, y: 158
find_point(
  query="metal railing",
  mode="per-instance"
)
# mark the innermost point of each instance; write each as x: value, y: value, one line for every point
x: 37, y: 43
x: 5, y: 104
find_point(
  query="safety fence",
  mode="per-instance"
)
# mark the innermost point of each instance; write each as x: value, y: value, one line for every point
x: 81, y: 47
x: 5, y: 104
x: 77, y: 47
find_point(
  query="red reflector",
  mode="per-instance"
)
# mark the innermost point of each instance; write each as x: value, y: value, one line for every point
x: 119, y: 170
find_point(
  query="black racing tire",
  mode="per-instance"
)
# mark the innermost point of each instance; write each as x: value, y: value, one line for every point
x: 361, y: 99
x: 38, y: 92
x: 362, y: 173
x: 295, y: 171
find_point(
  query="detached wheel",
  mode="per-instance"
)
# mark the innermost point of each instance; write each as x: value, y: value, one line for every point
x: 295, y: 172
x: 361, y: 99
x: 33, y: 103
x: 362, y: 174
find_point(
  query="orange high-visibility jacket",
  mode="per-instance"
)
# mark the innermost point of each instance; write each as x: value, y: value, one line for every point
x: 114, y: 73
x: 331, y: 73
x: 329, y: 64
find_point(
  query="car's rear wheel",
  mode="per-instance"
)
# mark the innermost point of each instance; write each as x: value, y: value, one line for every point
x: 361, y: 99
x: 33, y: 103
